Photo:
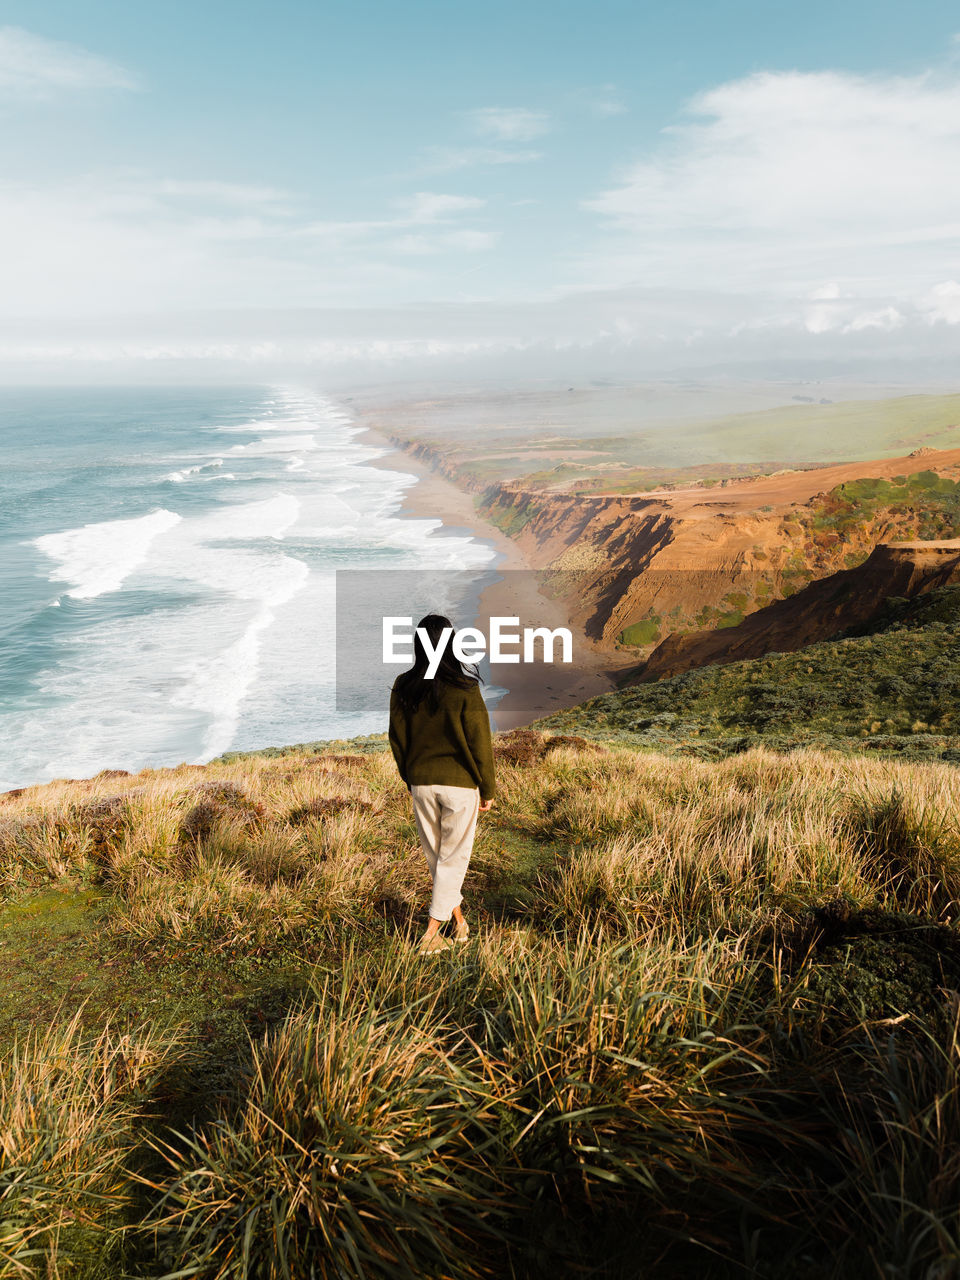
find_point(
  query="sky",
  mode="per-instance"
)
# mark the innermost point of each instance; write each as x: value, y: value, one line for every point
x: 366, y: 187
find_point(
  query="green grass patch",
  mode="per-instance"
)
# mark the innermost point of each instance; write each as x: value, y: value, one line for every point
x: 641, y: 633
x: 925, y: 505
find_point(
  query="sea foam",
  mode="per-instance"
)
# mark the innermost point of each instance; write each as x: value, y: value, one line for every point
x: 96, y: 558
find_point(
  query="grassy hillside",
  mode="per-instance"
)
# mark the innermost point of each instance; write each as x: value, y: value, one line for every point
x: 705, y: 1024
x: 855, y: 429
x: 556, y: 442
x: 893, y: 688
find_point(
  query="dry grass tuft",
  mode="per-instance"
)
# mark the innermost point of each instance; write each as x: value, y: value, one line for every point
x: 323, y: 807
x: 70, y: 1109
x: 222, y: 802
x: 344, y: 761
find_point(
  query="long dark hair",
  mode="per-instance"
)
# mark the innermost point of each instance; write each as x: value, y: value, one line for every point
x: 413, y: 686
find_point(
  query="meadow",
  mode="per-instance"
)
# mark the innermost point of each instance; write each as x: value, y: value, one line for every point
x: 706, y: 1022
x: 614, y: 440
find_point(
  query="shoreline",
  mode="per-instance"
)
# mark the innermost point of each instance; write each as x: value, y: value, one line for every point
x: 545, y: 688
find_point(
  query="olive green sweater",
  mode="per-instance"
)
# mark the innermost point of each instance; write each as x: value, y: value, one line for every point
x: 451, y: 745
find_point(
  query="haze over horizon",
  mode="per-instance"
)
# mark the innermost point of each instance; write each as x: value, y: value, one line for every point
x: 253, y: 191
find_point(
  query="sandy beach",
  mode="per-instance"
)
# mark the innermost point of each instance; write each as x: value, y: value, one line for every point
x: 534, y: 689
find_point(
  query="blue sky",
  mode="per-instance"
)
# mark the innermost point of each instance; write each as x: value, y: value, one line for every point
x: 513, y: 173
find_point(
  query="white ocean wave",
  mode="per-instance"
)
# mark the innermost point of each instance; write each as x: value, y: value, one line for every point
x: 218, y: 683
x: 178, y: 477
x: 276, y: 446
x: 97, y: 558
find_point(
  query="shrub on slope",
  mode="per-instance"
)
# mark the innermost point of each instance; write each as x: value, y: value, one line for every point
x: 892, y: 687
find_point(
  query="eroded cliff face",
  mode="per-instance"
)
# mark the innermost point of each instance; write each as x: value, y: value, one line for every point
x: 691, y: 560
x: 678, y: 577
x: 817, y: 612
x: 641, y: 561
x: 432, y: 457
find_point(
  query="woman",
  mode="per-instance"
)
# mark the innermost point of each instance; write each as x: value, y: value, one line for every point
x: 440, y: 738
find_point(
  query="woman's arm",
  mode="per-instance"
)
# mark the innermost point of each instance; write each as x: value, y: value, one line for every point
x: 398, y: 735
x: 476, y: 727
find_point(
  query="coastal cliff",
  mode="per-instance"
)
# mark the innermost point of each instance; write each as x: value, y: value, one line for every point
x: 690, y: 560
x: 680, y: 575
x: 821, y: 610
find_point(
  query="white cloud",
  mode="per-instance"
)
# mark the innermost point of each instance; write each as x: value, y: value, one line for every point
x: 466, y: 240
x: 786, y: 178
x: 111, y: 243
x: 942, y: 303
x: 470, y: 240
x: 433, y: 206
x: 34, y: 67
x: 448, y: 159
x: 885, y: 318
x: 422, y: 208
x: 821, y: 319
x: 424, y: 218
x: 509, y: 124
x: 603, y: 101
x: 627, y: 333
x: 302, y: 351
x: 838, y: 313
x: 224, y: 193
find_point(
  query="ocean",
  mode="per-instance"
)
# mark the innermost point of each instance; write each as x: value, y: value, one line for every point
x: 167, y: 562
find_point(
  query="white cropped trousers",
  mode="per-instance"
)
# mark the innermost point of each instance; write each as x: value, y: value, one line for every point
x: 446, y: 820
